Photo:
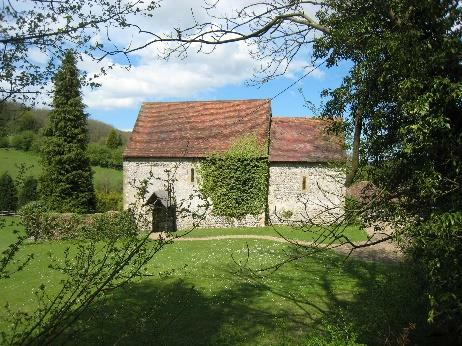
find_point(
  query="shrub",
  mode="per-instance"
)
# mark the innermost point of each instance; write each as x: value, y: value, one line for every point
x: 107, y: 201
x: 113, y: 224
x: 352, y: 211
x: 36, y: 145
x: 41, y: 224
x: 4, y: 142
x: 32, y: 217
x: 28, y: 191
x: 23, y: 140
x: 436, y: 250
x: 8, y: 193
x: 101, y: 155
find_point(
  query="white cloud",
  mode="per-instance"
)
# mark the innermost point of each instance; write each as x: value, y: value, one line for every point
x: 154, y: 79
x: 37, y: 56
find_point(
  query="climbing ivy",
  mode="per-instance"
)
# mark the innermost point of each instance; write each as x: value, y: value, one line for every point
x: 237, y: 180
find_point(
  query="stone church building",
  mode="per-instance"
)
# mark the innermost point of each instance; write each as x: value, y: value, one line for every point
x: 306, y: 179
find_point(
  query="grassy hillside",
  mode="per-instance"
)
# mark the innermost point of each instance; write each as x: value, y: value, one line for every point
x: 14, y: 118
x: 105, y: 179
x: 98, y: 132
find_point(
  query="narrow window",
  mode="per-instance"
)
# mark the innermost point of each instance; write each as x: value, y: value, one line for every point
x: 304, y: 184
x: 192, y: 175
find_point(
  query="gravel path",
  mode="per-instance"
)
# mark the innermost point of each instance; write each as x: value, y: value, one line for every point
x: 386, y: 251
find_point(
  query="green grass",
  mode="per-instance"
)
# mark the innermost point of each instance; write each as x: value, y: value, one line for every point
x: 199, y: 296
x: 105, y: 179
x: 354, y: 233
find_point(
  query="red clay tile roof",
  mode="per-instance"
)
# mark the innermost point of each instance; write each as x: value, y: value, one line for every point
x: 303, y: 140
x: 195, y: 129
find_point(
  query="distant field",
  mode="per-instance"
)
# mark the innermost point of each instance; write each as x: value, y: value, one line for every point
x: 106, y: 179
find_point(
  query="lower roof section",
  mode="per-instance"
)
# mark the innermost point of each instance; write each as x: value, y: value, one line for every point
x: 304, y: 140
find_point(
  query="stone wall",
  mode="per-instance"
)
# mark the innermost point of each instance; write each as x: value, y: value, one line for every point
x: 192, y: 209
x: 319, y: 199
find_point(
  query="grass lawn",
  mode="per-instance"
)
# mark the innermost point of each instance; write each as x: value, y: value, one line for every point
x: 198, y: 296
x: 354, y: 233
x: 105, y: 179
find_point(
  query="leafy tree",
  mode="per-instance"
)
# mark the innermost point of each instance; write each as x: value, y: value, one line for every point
x: 114, y: 140
x: 8, y: 193
x: 66, y: 181
x: 48, y: 28
x: 23, y: 140
x: 28, y: 191
x: 404, y: 91
x: 26, y: 122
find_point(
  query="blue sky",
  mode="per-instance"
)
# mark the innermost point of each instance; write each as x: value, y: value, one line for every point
x: 289, y: 103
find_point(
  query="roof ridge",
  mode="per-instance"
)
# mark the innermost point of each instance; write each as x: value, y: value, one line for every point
x: 202, y: 101
x: 299, y: 118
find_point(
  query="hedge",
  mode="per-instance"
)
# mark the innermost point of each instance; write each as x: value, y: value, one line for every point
x: 42, y: 224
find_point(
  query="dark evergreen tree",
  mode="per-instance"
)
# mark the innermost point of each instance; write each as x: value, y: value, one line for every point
x: 8, y: 193
x: 114, y: 140
x: 66, y: 181
x: 28, y: 191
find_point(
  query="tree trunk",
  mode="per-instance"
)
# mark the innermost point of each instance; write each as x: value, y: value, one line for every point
x: 356, y: 143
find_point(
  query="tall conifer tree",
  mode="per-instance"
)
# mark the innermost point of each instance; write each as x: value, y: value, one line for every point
x: 113, y: 140
x: 66, y: 182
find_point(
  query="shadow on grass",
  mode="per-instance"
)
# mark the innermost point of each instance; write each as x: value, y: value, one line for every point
x: 386, y: 307
x: 377, y: 302
x: 178, y: 314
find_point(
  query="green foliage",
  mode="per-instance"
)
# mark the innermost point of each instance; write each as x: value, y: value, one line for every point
x: 23, y: 140
x: 107, y: 201
x: 66, y: 182
x: 28, y: 191
x: 338, y: 332
x: 4, y: 142
x: 26, y: 121
x: 16, y: 118
x: 287, y: 214
x: 99, y: 131
x: 436, y: 249
x: 42, y: 224
x: 352, y: 211
x: 406, y: 81
x: 78, y: 275
x: 103, y: 156
x: 36, y: 145
x: 8, y: 193
x: 237, y: 180
x: 114, y: 139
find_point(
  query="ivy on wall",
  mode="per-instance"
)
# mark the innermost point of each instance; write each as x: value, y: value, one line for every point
x: 237, y: 180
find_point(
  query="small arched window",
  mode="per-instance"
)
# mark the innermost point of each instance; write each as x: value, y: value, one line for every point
x: 304, y: 184
x: 192, y: 175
